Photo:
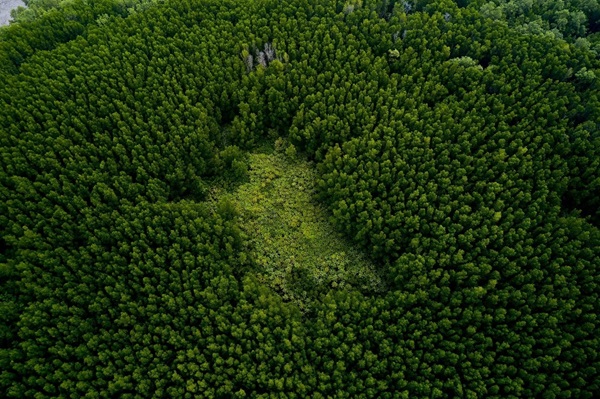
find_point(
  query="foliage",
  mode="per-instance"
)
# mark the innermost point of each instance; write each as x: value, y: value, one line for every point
x: 36, y: 9
x: 297, y: 252
x: 51, y: 28
x: 457, y: 155
x: 570, y: 19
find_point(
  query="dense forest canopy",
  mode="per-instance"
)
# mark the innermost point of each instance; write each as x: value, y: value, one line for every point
x: 453, y: 150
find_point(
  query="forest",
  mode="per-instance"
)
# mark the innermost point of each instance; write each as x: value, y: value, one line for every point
x: 300, y: 198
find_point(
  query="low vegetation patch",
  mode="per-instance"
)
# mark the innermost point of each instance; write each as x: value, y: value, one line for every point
x: 295, y: 248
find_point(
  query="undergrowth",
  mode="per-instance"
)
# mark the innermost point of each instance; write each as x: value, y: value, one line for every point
x: 296, y: 250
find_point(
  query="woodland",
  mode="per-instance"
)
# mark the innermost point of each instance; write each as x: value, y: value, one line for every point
x: 300, y: 199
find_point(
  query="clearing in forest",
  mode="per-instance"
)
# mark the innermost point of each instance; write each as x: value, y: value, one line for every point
x: 297, y: 250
